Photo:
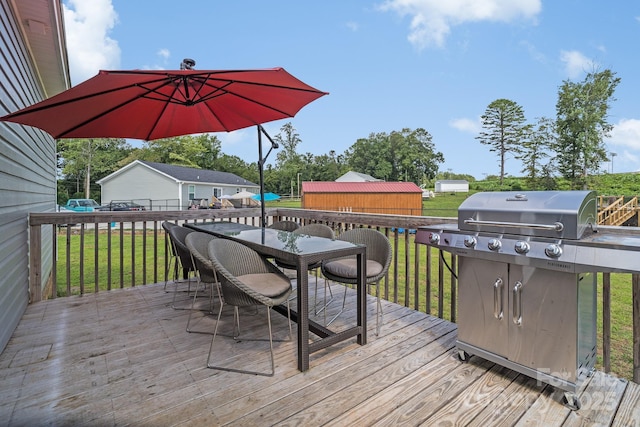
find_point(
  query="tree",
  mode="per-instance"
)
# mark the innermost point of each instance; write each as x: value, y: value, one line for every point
x: 194, y: 151
x: 535, y: 150
x: 87, y: 160
x: 407, y: 155
x: 504, y: 129
x: 581, y: 123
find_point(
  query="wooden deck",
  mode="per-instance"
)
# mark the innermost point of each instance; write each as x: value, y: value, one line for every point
x: 123, y: 357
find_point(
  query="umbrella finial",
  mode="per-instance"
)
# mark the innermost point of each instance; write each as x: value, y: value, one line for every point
x: 187, y: 64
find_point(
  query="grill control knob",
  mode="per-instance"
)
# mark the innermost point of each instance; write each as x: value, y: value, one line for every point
x: 434, y: 238
x: 470, y: 241
x: 553, y: 251
x: 522, y: 247
x: 494, y: 244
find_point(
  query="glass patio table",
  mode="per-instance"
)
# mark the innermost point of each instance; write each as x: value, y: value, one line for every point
x: 301, y: 250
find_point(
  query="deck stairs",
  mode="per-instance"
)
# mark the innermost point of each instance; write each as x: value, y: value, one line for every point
x: 616, y: 210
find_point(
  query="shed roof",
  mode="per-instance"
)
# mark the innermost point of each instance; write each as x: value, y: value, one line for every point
x: 359, y: 187
x: 353, y: 176
x: 185, y: 174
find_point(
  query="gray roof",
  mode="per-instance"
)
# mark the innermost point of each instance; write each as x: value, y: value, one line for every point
x: 353, y: 176
x: 183, y: 173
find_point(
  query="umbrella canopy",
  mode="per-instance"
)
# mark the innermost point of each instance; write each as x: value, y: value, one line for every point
x: 243, y: 195
x: 268, y: 197
x: 153, y: 104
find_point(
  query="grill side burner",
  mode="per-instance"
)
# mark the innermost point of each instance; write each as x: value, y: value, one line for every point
x: 527, y: 295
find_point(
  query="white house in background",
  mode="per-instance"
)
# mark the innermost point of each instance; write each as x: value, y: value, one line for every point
x: 159, y: 186
x: 452, y: 186
x: 352, y: 176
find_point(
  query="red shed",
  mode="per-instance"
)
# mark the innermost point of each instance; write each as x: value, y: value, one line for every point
x: 396, y: 198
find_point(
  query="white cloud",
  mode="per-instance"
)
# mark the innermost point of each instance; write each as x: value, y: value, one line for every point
x: 466, y: 125
x: 626, y: 133
x: 431, y: 20
x: 576, y: 63
x: 353, y: 26
x: 89, y: 47
x: 534, y: 53
x: 164, y: 54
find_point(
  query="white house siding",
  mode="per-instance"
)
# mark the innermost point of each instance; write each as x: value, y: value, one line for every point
x: 160, y: 187
x: 205, y: 191
x: 140, y: 184
x: 27, y: 172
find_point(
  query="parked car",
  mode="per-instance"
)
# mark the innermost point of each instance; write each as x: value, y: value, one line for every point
x: 124, y: 206
x: 83, y: 205
x: 62, y: 209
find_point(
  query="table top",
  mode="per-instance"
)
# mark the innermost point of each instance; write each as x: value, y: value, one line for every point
x: 278, y: 243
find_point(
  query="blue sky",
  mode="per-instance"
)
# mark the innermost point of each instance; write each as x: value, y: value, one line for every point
x: 387, y: 65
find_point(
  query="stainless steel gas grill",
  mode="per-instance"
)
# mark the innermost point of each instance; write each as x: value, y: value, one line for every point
x: 527, y: 282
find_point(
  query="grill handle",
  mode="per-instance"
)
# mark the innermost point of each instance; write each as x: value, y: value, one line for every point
x: 517, y: 303
x: 558, y: 226
x: 498, y: 312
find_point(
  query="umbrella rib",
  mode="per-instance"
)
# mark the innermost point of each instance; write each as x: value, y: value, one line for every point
x: 163, y: 82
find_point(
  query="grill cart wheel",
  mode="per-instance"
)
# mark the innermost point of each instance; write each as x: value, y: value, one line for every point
x: 571, y: 401
x: 463, y: 356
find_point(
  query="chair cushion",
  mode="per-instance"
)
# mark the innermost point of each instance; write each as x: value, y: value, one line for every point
x: 268, y: 284
x: 348, y: 267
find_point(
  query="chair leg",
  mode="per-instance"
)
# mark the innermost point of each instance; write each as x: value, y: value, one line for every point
x: 236, y: 323
x: 193, y: 302
x: 172, y: 260
x: 242, y: 371
x: 175, y: 292
x: 325, y: 303
x: 378, y: 309
x: 344, y: 303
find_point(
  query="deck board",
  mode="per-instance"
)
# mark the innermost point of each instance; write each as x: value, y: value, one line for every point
x: 123, y: 357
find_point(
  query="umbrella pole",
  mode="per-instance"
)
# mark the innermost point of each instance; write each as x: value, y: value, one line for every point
x: 261, y: 161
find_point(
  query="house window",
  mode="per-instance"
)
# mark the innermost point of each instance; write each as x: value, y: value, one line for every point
x: 217, y: 192
x: 192, y: 192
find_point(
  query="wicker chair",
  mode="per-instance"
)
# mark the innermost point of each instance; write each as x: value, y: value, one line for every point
x: 345, y: 270
x: 178, y: 235
x: 246, y: 279
x: 285, y: 225
x: 198, y: 245
x: 318, y: 230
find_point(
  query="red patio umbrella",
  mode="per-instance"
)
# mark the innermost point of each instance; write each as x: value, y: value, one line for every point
x: 153, y: 104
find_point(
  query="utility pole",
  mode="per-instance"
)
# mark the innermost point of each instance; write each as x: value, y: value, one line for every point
x: 612, y: 156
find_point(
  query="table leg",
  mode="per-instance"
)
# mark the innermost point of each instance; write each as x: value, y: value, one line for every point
x: 303, y: 314
x: 362, y: 297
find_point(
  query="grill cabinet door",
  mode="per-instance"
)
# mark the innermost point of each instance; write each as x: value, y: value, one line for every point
x: 482, y: 314
x: 543, y: 320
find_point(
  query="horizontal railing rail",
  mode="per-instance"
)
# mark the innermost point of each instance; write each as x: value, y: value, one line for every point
x: 105, y: 250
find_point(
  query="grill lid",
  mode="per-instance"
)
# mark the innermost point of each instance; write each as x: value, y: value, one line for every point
x: 559, y: 214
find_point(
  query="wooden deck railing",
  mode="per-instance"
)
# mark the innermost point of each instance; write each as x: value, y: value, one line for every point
x: 123, y: 249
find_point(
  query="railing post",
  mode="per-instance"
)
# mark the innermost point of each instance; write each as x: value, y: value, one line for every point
x: 606, y: 322
x: 635, y: 279
x: 454, y: 282
x: 35, y: 263
x: 416, y: 281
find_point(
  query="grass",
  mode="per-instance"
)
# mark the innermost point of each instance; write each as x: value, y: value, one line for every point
x: 81, y: 277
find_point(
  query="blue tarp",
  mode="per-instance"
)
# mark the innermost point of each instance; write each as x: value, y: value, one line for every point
x: 268, y: 197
